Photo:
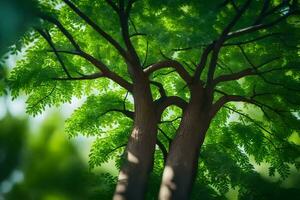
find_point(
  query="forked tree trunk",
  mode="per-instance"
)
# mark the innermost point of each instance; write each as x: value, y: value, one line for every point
x: 138, y: 161
x: 181, y: 165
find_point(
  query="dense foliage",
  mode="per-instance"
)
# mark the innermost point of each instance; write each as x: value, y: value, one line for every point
x: 242, y: 135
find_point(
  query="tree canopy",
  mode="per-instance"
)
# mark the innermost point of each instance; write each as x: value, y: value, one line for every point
x: 76, y: 49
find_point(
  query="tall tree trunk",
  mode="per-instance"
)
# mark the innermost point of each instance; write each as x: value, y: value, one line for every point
x: 138, y: 161
x: 182, y: 161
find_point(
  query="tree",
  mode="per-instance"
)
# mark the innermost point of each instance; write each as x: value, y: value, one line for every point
x: 234, y: 81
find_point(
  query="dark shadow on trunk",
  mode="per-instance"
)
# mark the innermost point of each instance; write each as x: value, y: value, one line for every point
x: 138, y: 159
x: 181, y: 166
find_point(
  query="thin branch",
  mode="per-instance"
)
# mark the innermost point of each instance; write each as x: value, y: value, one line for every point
x: 164, y: 74
x: 190, y: 48
x: 166, y: 136
x: 252, y: 40
x: 162, y: 149
x: 170, y: 121
x: 237, y: 98
x: 261, y: 76
x: 83, y: 77
x: 133, y: 25
x: 42, y: 99
x: 188, y: 66
x: 257, y: 27
x: 113, y: 5
x: 160, y: 88
x: 265, y: 13
x: 48, y: 38
x: 137, y: 34
x: 253, y: 121
x: 116, y: 148
x: 127, y: 113
x: 246, y: 72
x: 129, y: 7
x: 65, y: 51
x: 225, y: 67
x: 269, y: 140
x: 234, y: 5
x: 124, y: 101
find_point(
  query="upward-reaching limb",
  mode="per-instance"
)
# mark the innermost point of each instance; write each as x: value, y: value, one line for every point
x: 106, y: 72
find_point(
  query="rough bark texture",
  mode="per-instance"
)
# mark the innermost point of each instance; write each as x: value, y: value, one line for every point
x: 181, y: 166
x: 138, y: 161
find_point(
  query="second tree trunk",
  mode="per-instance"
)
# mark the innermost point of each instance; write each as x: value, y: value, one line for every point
x: 182, y: 161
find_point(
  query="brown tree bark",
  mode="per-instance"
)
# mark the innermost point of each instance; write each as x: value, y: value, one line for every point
x: 181, y: 165
x: 138, y: 159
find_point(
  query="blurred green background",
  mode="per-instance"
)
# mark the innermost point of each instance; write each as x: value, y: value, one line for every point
x: 38, y: 162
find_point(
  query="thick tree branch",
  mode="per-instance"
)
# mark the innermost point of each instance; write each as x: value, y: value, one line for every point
x: 61, y: 28
x: 102, y: 67
x: 170, y: 63
x: 79, y: 52
x: 227, y: 35
x: 234, y: 76
x: 218, y: 44
x: 97, y: 28
x: 97, y: 63
x: 237, y: 98
x: 200, y: 67
x: 123, y: 13
x: 106, y: 72
x: 246, y: 72
x: 163, y: 103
